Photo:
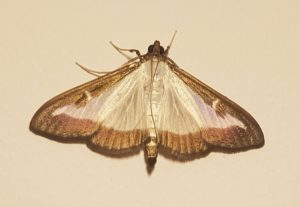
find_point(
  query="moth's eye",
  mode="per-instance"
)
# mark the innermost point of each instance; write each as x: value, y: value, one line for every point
x: 150, y: 49
x: 161, y: 49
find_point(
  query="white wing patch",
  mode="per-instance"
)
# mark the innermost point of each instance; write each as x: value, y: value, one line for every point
x: 210, y: 118
x: 121, y: 106
x: 183, y: 111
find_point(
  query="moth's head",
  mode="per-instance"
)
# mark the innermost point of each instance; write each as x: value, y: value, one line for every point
x: 156, y: 49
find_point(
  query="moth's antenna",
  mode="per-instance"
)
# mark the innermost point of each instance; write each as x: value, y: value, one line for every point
x: 169, y: 46
x: 90, y: 71
x: 120, y: 50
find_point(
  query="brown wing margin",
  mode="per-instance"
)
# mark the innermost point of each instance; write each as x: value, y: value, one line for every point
x: 45, y: 124
x: 233, y: 137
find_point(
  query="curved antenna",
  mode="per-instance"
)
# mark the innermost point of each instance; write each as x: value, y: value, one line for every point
x: 120, y: 50
x: 90, y: 71
x: 169, y: 46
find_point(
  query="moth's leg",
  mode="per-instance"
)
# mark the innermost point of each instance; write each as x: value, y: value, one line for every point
x: 90, y: 71
x: 120, y: 50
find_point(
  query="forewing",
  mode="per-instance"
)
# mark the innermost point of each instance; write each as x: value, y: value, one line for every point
x: 194, y: 116
x: 97, y: 111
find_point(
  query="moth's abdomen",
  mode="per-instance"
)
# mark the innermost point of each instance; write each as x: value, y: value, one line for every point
x: 151, y: 145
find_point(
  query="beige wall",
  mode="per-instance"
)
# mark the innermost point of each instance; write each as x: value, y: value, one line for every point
x: 248, y: 50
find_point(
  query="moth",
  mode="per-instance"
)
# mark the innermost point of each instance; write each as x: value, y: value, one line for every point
x: 148, y: 103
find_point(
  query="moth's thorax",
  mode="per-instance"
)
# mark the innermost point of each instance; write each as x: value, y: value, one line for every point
x: 154, y: 89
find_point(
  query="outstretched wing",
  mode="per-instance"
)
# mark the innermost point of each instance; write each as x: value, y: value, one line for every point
x: 194, y: 116
x: 106, y: 111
